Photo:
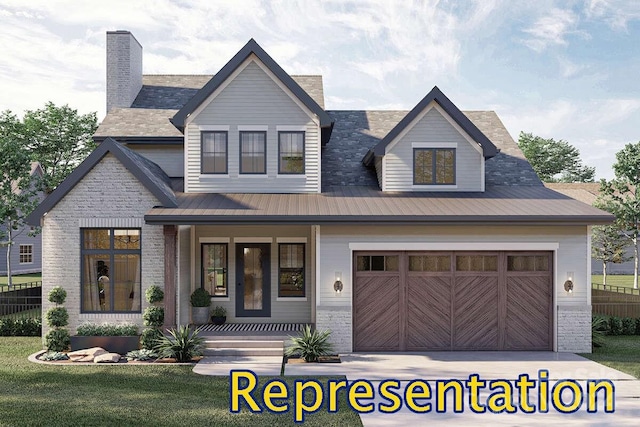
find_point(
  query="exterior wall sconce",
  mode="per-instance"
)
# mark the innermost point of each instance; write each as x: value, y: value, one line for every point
x: 568, y: 284
x: 337, y: 285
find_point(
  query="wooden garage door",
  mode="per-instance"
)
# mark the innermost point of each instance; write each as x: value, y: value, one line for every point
x: 452, y: 301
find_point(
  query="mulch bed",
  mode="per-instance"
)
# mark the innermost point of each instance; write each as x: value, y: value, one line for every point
x: 333, y: 358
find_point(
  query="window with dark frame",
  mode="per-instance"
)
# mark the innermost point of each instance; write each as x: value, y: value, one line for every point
x: 215, y: 268
x: 291, y: 270
x: 110, y: 270
x: 291, y: 152
x: 213, y: 152
x: 253, y: 152
x: 26, y: 254
x: 434, y: 166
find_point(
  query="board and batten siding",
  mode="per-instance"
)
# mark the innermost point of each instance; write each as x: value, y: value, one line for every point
x: 253, y: 99
x: 285, y: 310
x: 169, y: 157
x: 433, y: 128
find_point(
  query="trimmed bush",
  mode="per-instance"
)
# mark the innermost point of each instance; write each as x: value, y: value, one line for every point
x: 57, y: 340
x: 149, y: 338
x: 154, y: 294
x: 638, y: 326
x: 57, y: 295
x: 27, y: 327
x: 628, y: 326
x: 200, y: 298
x: 107, y: 330
x: 57, y: 317
x: 153, y: 316
x: 615, y: 326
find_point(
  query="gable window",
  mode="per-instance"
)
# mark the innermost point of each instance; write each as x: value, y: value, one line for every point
x: 291, y: 152
x: 214, y: 268
x: 291, y: 270
x: 214, y: 152
x: 110, y: 270
x: 26, y: 254
x: 434, y: 166
x: 253, y: 152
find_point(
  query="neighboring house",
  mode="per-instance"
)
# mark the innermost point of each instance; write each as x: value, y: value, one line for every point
x: 588, y: 192
x: 26, y: 252
x: 397, y: 230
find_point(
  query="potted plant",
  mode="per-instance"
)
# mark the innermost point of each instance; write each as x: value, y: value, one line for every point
x: 115, y: 338
x: 218, y: 315
x: 200, y: 303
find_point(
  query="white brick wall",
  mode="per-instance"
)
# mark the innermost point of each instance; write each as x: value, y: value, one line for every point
x: 108, y: 196
x: 574, y: 329
x: 338, y: 321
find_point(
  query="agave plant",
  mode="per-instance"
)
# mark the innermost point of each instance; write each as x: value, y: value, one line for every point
x: 310, y: 345
x: 182, y: 344
x: 599, y: 328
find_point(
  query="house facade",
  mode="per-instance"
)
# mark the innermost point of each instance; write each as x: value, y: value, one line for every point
x: 396, y: 230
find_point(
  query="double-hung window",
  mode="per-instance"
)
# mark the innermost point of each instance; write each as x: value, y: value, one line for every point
x: 291, y: 270
x: 214, y: 152
x: 291, y: 152
x: 110, y: 270
x: 434, y: 166
x: 26, y: 254
x: 253, y: 152
x: 214, y: 268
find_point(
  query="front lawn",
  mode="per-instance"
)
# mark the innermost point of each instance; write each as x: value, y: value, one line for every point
x: 622, y: 280
x: 619, y: 352
x: 23, y: 278
x: 34, y: 394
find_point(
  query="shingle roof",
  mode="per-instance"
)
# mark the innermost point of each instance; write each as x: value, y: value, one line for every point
x: 358, y: 131
x: 132, y: 122
x: 586, y: 192
x: 354, y: 204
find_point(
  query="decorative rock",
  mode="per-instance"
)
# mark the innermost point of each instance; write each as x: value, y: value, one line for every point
x: 107, y: 358
x: 86, y: 355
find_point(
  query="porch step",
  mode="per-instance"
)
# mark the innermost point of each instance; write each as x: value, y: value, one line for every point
x: 244, y: 343
x: 244, y: 351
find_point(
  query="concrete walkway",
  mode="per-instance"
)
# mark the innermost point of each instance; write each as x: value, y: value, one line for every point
x: 261, y: 365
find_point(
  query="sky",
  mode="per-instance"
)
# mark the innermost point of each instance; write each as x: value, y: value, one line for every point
x: 558, y: 69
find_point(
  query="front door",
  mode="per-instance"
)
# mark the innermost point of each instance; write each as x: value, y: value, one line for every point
x: 253, y: 292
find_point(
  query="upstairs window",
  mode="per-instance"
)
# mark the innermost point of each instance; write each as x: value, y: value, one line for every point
x: 214, y: 153
x: 291, y: 152
x: 434, y: 166
x: 253, y: 152
x: 26, y: 254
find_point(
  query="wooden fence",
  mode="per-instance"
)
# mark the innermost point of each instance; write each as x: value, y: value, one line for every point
x: 615, y: 301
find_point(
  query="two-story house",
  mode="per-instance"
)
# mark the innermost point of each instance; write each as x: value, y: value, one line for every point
x: 397, y: 230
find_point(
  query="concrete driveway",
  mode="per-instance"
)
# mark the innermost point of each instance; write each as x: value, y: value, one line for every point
x: 489, y: 365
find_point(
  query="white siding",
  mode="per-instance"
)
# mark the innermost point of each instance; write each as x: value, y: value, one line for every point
x: 253, y: 99
x: 432, y: 128
x: 169, y: 157
x: 289, y: 310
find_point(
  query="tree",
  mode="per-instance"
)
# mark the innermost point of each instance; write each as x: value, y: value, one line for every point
x: 554, y: 161
x: 608, y: 245
x: 620, y: 197
x: 59, y: 138
x: 17, y: 188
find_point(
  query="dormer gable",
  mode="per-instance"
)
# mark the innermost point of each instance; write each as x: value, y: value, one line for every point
x: 435, y: 147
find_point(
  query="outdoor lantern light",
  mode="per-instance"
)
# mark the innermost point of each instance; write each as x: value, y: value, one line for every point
x: 568, y: 284
x: 337, y: 285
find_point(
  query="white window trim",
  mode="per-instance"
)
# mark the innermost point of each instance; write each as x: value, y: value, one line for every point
x: 214, y: 240
x: 291, y: 240
x: 28, y: 253
x: 212, y: 176
x: 291, y: 299
x: 291, y: 175
x: 253, y: 128
x: 252, y: 175
x: 253, y: 239
x: 214, y: 128
x: 287, y: 128
x: 434, y: 145
x: 434, y: 187
x: 454, y: 246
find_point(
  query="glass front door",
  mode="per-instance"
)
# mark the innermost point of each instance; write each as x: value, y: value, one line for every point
x: 253, y: 293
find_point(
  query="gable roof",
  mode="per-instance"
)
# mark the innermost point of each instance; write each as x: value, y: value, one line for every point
x: 489, y: 150
x: 147, y: 172
x: 251, y: 47
x: 34, y: 168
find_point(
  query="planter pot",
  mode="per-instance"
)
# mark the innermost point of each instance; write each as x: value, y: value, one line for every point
x: 218, y: 320
x: 120, y: 345
x: 200, y: 315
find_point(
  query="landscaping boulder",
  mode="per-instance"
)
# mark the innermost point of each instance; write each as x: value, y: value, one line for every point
x: 87, y: 354
x: 107, y: 358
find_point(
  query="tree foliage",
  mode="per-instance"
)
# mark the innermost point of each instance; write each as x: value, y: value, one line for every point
x: 554, y: 161
x: 620, y: 197
x: 608, y: 245
x: 59, y: 138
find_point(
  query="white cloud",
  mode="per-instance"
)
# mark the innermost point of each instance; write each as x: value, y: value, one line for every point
x: 551, y: 29
x: 617, y: 13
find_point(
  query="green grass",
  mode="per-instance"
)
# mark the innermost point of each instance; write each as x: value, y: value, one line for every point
x: 34, y: 394
x: 619, y: 352
x: 27, y: 314
x: 622, y: 280
x: 23, y: 278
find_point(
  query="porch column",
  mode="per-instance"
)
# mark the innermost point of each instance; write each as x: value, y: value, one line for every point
x: 170, y: 232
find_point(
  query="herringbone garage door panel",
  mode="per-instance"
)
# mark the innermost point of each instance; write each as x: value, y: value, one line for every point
x: 528, y: 313
x: 429, y: 313
x: 376, y: 316
x: 475, y: 319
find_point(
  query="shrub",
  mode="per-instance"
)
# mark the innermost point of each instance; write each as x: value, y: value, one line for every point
x: 6, y: 327
x: 149, y: 338
x: 57, y: 295
x: 200, y: 298
x: 638, y: 326
x: 628, y: 326
x: 57, y: 340
x: 142, y: 355
x: 57, y: 317
x: 27, y: 327
x: 182, y: 344
x: 54, y: 355
x: 310, y: 344
x: 615, y: 326
x: 218, y: 311
x: 107, y: 330
x: 599, y: 327
x: 154, y: 294
x: 153, y: 316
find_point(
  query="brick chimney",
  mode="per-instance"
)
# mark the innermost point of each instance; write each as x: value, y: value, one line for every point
x: 124, y: 69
